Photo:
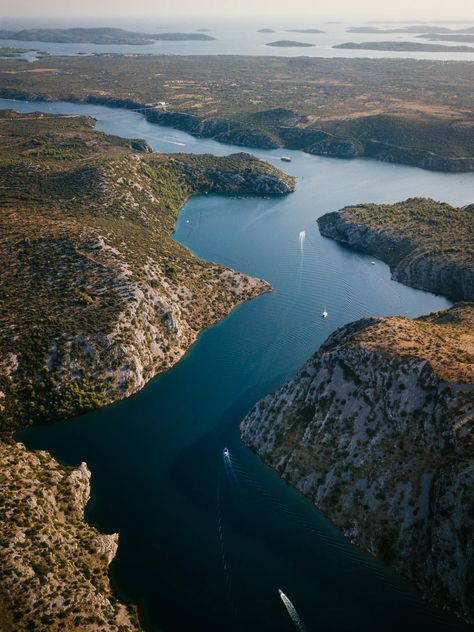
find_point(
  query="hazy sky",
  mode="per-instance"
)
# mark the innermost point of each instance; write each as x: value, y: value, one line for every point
x: 387, y: 9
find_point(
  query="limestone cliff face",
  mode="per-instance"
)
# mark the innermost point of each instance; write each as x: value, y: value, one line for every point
x: 53, y: 566
x: 377, y: 430
x: 427, y: 244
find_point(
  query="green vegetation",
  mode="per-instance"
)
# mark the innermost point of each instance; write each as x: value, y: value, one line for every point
x: 444, y: 339
x: 416, y: 112
x: 53, y: 565
x: 102, y: 35
x: 91, y: 280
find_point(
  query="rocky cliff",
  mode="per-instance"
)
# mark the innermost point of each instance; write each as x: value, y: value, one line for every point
x: 53, y: 566
x: 427, y: 244
x: 377, y: 430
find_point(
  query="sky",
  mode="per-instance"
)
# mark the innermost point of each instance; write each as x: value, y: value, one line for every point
x: 383, y: 9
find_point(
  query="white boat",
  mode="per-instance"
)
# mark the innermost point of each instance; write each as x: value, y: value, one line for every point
x: 226, y: 452
x: 324, y: 314
x: 372, y: 263
x: 286, y: 159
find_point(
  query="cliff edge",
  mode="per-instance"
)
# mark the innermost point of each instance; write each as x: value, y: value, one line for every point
x: 377, y: 430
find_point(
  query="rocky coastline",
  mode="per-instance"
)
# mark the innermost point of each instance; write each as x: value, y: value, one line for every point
x: 376, y: 430
x: 422, y: 252
x: 318, y: 142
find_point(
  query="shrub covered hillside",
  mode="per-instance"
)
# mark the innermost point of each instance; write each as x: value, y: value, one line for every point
x: 96, y: 298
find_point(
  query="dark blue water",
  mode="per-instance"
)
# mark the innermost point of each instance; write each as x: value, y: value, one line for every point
x: 205, y: 544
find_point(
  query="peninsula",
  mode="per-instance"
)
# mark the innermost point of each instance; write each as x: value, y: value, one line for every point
x: 103, y: 35
x: 335, y: 107
x: 427, y: 244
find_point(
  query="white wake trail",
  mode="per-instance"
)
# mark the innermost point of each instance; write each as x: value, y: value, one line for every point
x: 301, y: 238
x: 295, y: 617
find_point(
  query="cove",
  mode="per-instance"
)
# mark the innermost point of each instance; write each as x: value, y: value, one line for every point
x: 207, y: 542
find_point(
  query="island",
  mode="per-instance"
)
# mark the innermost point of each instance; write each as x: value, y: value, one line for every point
x: 336, y: 107
x: 102, y: 35
x: 454, y: 37
x: 96, y: 299
x: 289, y: 44
x: 304, y: 31
x: 376, y: 428
x: 405, y: 47
x: 414, y: 28
x: 266, y: 31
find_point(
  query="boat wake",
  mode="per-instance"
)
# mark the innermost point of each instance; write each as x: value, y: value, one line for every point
x: 295, y: 617
x: 301, y: 238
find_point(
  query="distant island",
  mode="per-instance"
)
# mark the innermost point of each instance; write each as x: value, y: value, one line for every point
x: 304, y: 31
x: 102, y: 36
x: 454, y: 37
x: 289, y: 44
x: 417, y: 28
x: 266, y: 31
x: 406, y: 47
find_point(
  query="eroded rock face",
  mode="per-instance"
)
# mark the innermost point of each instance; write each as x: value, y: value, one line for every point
x: 377, y: 430
x: 53, y: 565
x: 427, y: 244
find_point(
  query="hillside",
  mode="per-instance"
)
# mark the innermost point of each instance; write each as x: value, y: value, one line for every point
x: 96, y: 297
x: 53, y: 565
x: 427, y: 244
x: 405, y: 111
x: 377, y: 431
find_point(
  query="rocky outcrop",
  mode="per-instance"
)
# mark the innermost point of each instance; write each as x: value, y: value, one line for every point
x: 427, y: 244
x: 377, y: 430
x: 53, y: 565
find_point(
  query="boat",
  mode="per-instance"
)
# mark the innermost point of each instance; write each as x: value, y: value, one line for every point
x: 226, y: 452
x: 372, y: 263
x: 286, y: 159
x: 324, y: 314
